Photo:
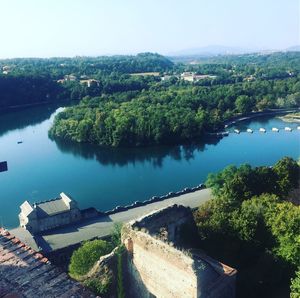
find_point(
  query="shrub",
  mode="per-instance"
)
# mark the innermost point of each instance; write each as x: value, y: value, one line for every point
x: 97, y: 286
x: 295, y: 285
x: 85, y: 256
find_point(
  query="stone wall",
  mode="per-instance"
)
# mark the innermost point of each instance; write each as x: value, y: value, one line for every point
x: 58, y: 220
x: 156, y: 268
x: 165, y: 223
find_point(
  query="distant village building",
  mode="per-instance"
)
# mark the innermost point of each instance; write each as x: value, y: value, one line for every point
x: 50, y: 214
x: 192, y: 77
x: 249, y: 78
x: 90, y: 82
x: 70, y: 77
x: 188, y: 76
x: 168, y: 77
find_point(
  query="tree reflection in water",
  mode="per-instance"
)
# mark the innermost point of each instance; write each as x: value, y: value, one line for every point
x: 124, y: 156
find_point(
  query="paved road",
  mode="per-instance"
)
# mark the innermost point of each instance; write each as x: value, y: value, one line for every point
x: 102, y: 226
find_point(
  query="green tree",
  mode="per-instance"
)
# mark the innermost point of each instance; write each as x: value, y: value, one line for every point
x: 244, y: 104
x: 84, y: 257
x: 287, y: 171
x: 295, y: 285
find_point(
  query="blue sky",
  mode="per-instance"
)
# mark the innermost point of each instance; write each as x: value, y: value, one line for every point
x: 45, y: 28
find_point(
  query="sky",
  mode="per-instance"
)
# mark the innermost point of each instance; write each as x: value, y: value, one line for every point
x: 47, y: 28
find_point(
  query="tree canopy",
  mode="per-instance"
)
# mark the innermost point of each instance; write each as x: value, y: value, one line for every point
x: 84, y: 257
x: 256, y: 226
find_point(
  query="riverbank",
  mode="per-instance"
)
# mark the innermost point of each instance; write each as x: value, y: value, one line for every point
x: 37, y: 104
x: 254, y: 115
x: 291, y: 118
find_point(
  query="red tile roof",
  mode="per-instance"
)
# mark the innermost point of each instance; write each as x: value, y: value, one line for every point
x: 26, y: 273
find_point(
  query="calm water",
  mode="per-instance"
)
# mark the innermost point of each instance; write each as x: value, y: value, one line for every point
x: 40, y: 168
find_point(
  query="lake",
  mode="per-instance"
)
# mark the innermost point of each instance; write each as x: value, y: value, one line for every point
x: 40, y: 168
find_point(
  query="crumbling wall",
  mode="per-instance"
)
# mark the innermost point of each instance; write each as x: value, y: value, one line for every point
x: 166, y: 223
x: 158, y: 269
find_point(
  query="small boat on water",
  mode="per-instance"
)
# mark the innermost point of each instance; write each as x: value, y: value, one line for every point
x: 237, y: 131
x: 262, y: 130
x: 249, y: 130
x: 19, y: 142
x: 287, y: 129
x: 298, y: 127
x: 275, y: 129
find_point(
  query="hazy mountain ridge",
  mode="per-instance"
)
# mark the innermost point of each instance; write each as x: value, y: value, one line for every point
x: 216, y: 50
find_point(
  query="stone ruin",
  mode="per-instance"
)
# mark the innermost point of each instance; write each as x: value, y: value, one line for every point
x: 157, y: 266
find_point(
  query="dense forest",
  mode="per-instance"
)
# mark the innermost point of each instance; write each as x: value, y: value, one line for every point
x: 256, y: 221
x: 29, y: 81
x: 144, y: 99
x: 175, y: 110
x: 169, y: 113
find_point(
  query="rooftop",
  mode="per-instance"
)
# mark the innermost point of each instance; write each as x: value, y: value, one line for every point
x: 48, y: 208
x: 51, y: 207
x: 26, y: 273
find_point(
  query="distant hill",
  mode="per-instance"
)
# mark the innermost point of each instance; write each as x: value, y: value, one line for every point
x: 293, y: 49
x: 212, y: 50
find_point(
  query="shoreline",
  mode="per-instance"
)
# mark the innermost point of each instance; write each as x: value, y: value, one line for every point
x: 154, y: 199
x: 30, y: 105
x: 290, y: 119
x: 101, y: 226
x: 253, y: 115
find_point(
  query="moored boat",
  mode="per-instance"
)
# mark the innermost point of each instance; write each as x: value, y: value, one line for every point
x: 262, y: 130
x: 275, y: 129
x: 287, y: 129
x: 249, y: 130
x: 237, y: 131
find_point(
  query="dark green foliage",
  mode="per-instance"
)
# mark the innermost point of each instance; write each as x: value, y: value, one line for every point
x: 85, y: 257
x: 97, y: 286
x: 162, y: 115
x: 295, y: 285
x: 258, y: 231
x: 116, y: 234
x: 287, y: 171
x: 33, y: 80
x: 238, y: 184
x: 25, y: 90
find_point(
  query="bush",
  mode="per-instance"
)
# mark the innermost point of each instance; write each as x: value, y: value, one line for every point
x: 97, y: 286
x: 85, y: 256
x: 116, y: 234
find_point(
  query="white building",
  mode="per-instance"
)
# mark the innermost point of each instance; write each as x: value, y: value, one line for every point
x: 50, y: 214
x: 192, y: 77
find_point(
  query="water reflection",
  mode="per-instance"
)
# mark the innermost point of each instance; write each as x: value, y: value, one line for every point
x: 124, y: 156
x: 21, y: 118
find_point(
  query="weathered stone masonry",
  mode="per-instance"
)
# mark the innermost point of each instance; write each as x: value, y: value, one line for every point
x: 157, y: 269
